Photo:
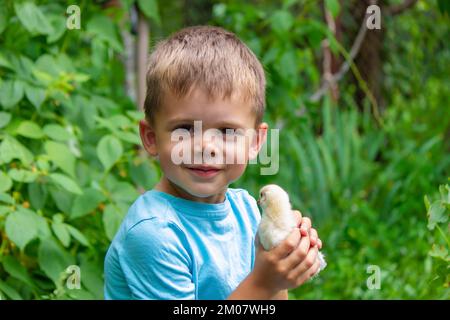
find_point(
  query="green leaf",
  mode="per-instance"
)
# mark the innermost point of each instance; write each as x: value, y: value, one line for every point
x: 9, y: 291
x: 21, y: 227
x: 427, y: 202
x: 53, y: 259
x: 281, y: 21
x: 86, y: 202
x: 4, y: 210
x: 5, y: 182
x: 78, y: 235
x: 92, y: 278
x: 16, y: 270
x: 29, y: 129
x: 10, y: 149
x: 135, y: 115
x: 66, y: 182
x: 22, y: 175
x: 436, y: 215
x: 43, y: 228
x: 61, y: 155
x: 109, y: 150
x: 444, y: 191
x: 37, y: 193
x: 333, y: 6
x: 439, y: 252
x: 11, y: 92
x: 62, y: 198
x: 5, y: 118
x: 61, y: 232
x: 104, y: 28
x: 6, y: 198
x: 56, y: 132
x: 32, y: 18
x: 36, y: 95
x: 3, y: 19
x: 58, y: 24
x: 129, y: 137
x: 124, y: 192
x: 5, y: 62
x: 143, y: 174
x: 112, y: 218
x: 150, y: 9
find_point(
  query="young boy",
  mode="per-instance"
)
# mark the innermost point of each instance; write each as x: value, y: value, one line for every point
x: 192, y: 237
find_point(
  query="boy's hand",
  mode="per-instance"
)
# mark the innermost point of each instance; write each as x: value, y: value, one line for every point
x: 305, y: 229
x: 289, y: 264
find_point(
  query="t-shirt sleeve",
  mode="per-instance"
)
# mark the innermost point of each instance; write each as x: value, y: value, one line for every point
x: 255, y: 215
x: 156, y: 261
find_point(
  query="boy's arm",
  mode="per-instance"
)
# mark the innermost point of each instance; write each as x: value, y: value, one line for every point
x: 156, y: 262
x: 249, y: 289
x: 282, y: 295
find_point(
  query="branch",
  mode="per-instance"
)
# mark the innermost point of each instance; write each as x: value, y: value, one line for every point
x: 327, y: 72
x: 399, y: 8
x: 327, y: 83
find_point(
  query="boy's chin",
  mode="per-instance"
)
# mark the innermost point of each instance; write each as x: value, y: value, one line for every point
x: 204, y: 191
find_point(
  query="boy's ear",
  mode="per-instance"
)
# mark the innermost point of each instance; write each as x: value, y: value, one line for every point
x: 258, y: 141
x: 148, y: 137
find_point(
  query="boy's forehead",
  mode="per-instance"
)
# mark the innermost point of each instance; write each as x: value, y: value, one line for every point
x: 197, y: 105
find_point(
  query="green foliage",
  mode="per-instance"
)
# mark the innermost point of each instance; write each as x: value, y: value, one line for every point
x: 361, y: 182
x: 438, y: 212
x: 70, y: 166
x: 69, y: 162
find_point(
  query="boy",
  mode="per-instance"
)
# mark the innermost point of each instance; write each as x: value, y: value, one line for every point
x: 192, y: 237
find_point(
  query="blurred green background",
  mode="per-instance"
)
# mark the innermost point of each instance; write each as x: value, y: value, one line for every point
x: 367, y: 157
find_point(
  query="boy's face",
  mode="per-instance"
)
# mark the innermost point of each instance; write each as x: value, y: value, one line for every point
x: 193, y: 180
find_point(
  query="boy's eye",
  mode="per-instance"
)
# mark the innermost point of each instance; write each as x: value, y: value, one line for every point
x: 228, y: 131
x: 187, y: 127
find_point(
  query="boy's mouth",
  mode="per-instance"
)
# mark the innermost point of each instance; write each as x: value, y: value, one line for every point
x: 204, y: 171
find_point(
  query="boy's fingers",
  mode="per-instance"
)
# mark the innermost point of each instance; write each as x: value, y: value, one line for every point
x: 320, y: 243
x: 307, y: 263
x: 313, y: 237
x: 306, y: 224
x: 308, y: 274
x: 287, y: 245
x: 298, y: 217
x: 297, y: 256
x: 313, y: 270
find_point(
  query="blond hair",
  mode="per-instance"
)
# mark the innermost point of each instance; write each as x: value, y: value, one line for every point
x: 210, y: 58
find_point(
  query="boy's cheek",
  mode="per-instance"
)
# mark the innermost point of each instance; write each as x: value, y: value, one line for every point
x: 236, y: 153
x: 235, y: 171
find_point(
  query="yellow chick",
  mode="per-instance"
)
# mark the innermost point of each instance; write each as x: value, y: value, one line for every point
x: 277, y: 220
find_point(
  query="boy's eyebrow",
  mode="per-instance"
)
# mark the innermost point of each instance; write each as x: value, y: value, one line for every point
x: 221, y: 124
x: 173, y: 122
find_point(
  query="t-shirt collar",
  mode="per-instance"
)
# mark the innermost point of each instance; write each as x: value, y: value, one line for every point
x: 197, y: 209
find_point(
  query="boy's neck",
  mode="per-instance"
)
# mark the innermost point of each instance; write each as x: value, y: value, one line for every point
x: 165, y: 185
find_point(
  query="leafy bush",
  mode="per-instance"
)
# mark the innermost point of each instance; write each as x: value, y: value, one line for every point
x: 69, y: 162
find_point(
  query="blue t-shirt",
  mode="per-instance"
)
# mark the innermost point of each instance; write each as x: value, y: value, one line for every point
x: 172, y: 248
